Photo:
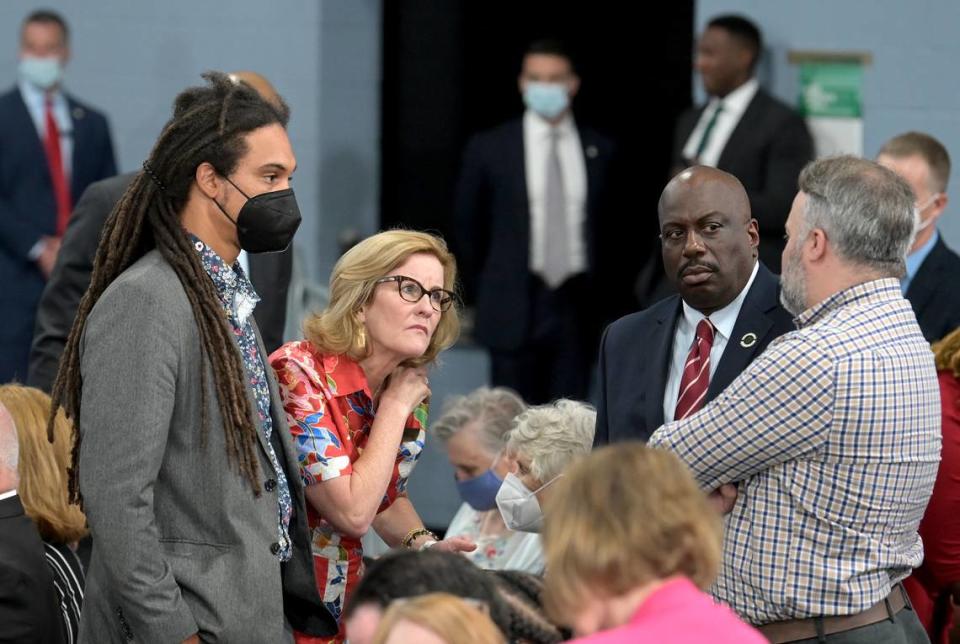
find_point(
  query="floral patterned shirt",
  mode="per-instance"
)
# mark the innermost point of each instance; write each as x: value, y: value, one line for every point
x: 330, y: 412
x: 238, y: 300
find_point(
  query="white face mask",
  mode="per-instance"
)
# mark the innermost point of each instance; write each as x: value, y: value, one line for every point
x: 919, y: 222
x: 519, y: 506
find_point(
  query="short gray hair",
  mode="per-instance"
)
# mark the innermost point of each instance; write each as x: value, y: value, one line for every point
x: 553, y: 436
x: 494, y: 408
x: 866, y: 211
x: 9, y: 446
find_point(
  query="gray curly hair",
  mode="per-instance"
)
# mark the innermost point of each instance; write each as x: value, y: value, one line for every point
x: 494, y: 408
x: 553, y: 436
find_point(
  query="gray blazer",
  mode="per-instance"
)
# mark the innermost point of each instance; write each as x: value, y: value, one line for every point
x: 180, y: 543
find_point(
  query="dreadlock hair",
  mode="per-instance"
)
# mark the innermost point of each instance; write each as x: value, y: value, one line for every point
x: 521, y: 594
x: 209, y: 123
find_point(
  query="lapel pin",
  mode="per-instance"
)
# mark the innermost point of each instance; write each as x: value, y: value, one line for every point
x: 78, y: 113
x: 592, y: 151
x: 748, y: 340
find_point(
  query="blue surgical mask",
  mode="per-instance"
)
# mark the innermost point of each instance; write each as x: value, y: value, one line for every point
x: 481, y: 491
x: 549, y: 100
x: 42, y: 72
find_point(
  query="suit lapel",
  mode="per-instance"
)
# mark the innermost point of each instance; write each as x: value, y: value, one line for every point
x: 658, y: 369
x: 745, y: 129
x: 81, y: 135
x: 748, y: 334
x: 21, y: 121
x: 923, y: 286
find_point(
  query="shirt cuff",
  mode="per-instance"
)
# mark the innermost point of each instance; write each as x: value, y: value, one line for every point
x: 36, y: 250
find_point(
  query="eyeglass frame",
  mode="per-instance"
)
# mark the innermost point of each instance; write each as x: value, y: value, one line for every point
x: 399, y: 279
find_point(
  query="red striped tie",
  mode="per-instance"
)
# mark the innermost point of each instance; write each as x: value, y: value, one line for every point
x: 61, y: 190
x: 696, y: 372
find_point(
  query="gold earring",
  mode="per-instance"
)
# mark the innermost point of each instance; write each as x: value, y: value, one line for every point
x: 361, y: 339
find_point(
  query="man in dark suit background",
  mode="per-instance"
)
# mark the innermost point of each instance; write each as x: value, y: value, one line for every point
x: 529, y: 232
x: 29, y: 607
x: 932, y: 282
x: 667, y: 361
x: 744, y: 130
x: 51, y: 148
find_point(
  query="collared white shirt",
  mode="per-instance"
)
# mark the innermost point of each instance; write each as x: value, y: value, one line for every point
x: 33, y: 98
x: 734, y: 105
x: 723, y: 321
x: 7, y: 495
x: 536, y: 147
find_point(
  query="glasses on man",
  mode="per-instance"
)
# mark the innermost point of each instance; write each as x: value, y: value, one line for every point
x: 411, y: 290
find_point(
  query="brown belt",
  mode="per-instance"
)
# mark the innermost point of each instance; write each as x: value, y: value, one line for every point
x: 804, y: 629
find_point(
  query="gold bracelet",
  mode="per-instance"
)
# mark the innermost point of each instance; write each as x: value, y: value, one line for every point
x: 407, y: 541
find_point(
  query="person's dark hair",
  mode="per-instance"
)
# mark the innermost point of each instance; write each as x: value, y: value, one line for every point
x: 48, y: 17
x: 209, y: 123
x: 520, y: 593
x: 409, y: 573
x: 743, y: 30
x: 551, y: 47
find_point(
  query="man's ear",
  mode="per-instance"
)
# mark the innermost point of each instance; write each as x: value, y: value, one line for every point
x: 208, y: 179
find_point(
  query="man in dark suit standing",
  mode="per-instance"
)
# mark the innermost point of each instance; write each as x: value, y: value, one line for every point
x: 268, y: 272
x: 666, y: 362
x: 744, y: 130
x: 932, y: 282
x: 29, y: 607
x: 529, y: 231
x: 51, y: 148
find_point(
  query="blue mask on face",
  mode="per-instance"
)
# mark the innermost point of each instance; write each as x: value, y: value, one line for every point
x: 549, y: 100
x: 480, y: 491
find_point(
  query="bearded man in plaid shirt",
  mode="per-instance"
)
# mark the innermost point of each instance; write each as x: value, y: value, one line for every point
x: 824, y: 451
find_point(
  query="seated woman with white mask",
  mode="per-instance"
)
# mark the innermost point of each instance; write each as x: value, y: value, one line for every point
x: 544, y: 441
x: 473, y: 429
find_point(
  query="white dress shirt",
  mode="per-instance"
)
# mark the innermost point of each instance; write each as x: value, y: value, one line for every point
x: 723, y: 321
x: 734, y: 105
x: 536, y: 146
x: 7, y: 494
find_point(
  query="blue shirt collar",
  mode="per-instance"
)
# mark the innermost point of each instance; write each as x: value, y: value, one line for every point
x: 915, y: 259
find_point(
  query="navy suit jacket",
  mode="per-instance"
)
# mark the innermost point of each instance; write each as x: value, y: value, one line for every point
x: 635, y: 355
x: 934, y: 293
x: 28, y: 209
x: 493, y: 228
x: 766, y: 151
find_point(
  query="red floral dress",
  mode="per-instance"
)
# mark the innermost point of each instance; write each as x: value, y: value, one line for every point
x: 330, y: 411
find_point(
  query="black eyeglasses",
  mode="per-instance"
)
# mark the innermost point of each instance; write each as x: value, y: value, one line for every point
x: 411, y: 290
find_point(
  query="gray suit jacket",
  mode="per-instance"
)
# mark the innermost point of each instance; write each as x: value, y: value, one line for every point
x: 180, y: 543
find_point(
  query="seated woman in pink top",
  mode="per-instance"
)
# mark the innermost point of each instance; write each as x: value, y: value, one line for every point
x: 630, y: 543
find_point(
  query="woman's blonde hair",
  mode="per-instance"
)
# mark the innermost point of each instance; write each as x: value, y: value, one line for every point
x: 338, y: 329
x: 455, y: 620
x: 946, y: 353
x: 624, y: 516
x: 44, y: 465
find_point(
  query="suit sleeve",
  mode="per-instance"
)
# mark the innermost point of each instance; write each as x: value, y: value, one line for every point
x: 69, y: 281
x: 791, y: 148
x: 108, y: 161
x: 471, y: 217
x: 129, y: 368
x: 602, y: 434
x: 18, y: 234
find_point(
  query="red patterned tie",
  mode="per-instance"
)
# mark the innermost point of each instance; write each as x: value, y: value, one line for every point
x: 61, y: 191
x: 696, y: 372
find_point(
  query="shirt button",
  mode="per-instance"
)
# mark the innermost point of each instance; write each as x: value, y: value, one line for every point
x: 275, y: 548
x: 270, y: 485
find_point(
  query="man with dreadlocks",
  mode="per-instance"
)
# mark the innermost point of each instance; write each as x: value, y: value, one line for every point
x: 188, y: 478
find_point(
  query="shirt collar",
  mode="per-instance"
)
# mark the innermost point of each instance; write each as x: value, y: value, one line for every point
x: 736, y: 102
x: 235, y: 290
x: 34, y: 96
x: 915, y: 259
x: 540, y: 128
x: 724, y: 319
x: 8, y: 494
x: 881, y: 289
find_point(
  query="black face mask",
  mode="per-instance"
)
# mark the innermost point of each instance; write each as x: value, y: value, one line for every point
x: 267, y: 222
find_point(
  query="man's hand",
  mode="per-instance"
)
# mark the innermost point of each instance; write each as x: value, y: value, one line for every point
x: 724, y: 498
x: 193, y: 639
x: 48, y: 256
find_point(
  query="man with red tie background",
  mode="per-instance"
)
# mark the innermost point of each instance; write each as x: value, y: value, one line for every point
x: 51, y: 148
x: 664, y: 363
